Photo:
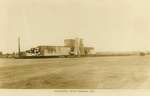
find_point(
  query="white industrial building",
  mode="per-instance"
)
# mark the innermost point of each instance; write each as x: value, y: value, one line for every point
x: 71, y: 47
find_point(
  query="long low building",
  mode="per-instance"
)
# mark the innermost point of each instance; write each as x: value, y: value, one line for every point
x: 71, y: 47
x: 48, y: 51
x: 54, y: 50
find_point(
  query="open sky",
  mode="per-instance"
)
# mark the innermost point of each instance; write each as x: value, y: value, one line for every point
x: 107, y: 25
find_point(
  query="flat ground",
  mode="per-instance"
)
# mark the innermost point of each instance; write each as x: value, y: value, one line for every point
x: 76, y: 73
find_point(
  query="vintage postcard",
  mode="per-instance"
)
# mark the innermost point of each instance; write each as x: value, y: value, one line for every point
x: 74, y: 46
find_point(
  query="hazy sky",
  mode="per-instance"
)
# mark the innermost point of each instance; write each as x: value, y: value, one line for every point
x: 107, y: 25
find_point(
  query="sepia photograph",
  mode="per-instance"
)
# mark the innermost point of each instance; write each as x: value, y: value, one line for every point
x: 74, y: 44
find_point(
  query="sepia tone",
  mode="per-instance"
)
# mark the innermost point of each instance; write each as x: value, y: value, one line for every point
x: 74, y: 44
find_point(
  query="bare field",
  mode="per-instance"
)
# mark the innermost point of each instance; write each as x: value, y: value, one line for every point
x: 76, y: 73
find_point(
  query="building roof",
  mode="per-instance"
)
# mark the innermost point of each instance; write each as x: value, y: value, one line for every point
x: 50, y: 46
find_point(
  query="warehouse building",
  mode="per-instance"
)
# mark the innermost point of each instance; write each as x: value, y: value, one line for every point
x: 53, y: 50
x: 71, y: 47
x: 48, y: 51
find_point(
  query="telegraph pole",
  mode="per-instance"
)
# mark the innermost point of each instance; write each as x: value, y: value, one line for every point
x: 19, y: 47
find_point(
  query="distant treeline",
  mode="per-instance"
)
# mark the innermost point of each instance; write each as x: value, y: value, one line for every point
x: 122, y: 53
x: 7, y: 55
x: 12, y: 55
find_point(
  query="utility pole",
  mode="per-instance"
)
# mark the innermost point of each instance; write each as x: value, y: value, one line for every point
x: 19, y: 46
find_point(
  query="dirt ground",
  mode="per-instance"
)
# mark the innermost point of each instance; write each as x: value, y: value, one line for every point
x: 76, y: 73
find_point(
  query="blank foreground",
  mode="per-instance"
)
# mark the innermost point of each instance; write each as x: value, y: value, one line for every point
x: 76, y: 73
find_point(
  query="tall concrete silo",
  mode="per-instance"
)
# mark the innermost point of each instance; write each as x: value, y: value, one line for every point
x: 76, y: 45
